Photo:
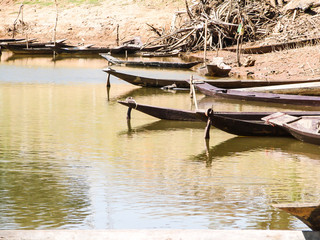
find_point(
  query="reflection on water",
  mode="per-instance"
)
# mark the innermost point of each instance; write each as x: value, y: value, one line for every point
x: 69, y: 160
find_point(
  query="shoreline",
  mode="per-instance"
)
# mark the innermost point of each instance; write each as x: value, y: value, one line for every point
x: 97, y: 24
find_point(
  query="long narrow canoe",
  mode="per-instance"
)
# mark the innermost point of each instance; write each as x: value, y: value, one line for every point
x: 32, y: 44
x: 307, y: 213
x: 84, y: 50
x: 156, y: 82
x: 237, y: 123
x: 34, y: 47
x: 159, y: 64
x: 147, y: 81
x: 5, y: 40
x: 31, y: 50
x: 307, y: 88
x: 163, y: 113
x: 210, y: 90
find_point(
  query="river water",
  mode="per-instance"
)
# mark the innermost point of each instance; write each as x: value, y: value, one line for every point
x: 70, y: 160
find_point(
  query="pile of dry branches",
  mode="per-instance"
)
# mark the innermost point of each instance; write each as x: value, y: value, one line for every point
x: 214, y: 24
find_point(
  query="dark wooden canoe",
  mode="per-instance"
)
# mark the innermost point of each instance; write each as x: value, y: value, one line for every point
x: 237, y: 123
x: 159, y: 64
x: 147, y: 81
x: 15, y: 46
x: 34, y: 47
x: 182, y: 83
x: 4, y: 40
x: 307, y: 213
x: 31, y: 50
x: 249, y: 123
x: 84, y: 50
x: 210, y: 90
x: 163, y: 113
x: 304, y: 128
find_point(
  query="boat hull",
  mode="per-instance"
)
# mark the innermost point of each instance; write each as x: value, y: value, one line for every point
x: 210, y: 90
x: 307, y: 213
x: 156, y: 64
x: 237, y: 123
x: 163, y: 113
x: 247, y: 127
x: 155, y: 82
x: 304, y: 136
x: 146, y: 81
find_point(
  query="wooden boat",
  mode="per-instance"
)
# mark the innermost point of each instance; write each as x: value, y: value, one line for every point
x: 308, y: 213
x: 117, y: 61
x: 237, y: 123
x: 308, y: 88
x: 125, y: 49
x: 5, y: 40
x: 31, y: 51
x: 32, y: 44
x: 183, y: 83
x: 215, y: 70
x: 163, y: 113
x: 210, y: 90
x: 83, y: 50
x: 303, y: 128
x: 147, y: 81
x: 34, y: 47
x: 161, y: 54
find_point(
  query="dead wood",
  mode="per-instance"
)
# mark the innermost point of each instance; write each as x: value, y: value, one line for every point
x: 262, y: 20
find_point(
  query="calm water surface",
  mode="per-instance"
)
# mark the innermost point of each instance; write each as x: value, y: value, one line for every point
x: 70, y: 160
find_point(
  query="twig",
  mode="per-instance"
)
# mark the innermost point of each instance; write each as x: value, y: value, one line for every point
x: 15, y: 21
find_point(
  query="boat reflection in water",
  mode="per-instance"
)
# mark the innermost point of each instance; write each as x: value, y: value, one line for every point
x: 163, y: 125
x: 239, y: 145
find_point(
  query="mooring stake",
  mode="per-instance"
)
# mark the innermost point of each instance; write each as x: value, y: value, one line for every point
x: 207, y: 130
x: 108, y: 80
x: 129, y: 113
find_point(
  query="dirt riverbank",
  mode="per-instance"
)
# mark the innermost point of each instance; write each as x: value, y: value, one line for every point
x: 96, y: 22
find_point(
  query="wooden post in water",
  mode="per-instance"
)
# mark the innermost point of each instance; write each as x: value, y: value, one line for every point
x: 108, y: 94
x: 108, y: 81
x: 129, y: 113
x: 207, y: 129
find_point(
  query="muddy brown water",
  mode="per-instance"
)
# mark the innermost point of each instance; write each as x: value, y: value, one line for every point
x: 70, y: 160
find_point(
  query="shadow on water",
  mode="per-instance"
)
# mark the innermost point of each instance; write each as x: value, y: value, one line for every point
x: 142, y: 92
x: 163, y: 125
x: 237, y: 145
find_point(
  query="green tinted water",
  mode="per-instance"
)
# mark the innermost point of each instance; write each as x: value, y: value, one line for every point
x: 70, y: 160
